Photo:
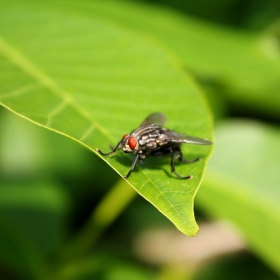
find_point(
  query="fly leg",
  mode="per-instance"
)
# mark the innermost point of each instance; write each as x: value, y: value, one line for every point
x: 132, y: 166
x: 113, y: 150
x: 173, y: 152
x: 180, y: 157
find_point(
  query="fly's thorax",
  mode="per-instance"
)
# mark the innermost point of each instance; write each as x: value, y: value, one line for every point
x: 149, y: 137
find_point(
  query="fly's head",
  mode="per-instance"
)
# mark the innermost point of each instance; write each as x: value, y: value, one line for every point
x: 129, y: 144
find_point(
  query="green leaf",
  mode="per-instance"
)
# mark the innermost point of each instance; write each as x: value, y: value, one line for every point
x: 31, y: 226
x: 93, y: 81
x: 242, y: 184
x: 245, y: 63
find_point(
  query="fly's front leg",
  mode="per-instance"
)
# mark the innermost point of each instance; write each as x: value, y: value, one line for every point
x: 113, y: 151
x: 173, y: 152
x: 132, y: 166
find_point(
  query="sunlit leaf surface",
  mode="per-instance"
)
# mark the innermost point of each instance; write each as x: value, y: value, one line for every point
x: 92, y: 80
x: 245, y: 64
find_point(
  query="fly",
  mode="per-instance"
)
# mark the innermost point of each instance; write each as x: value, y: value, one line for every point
x: 152, y: 139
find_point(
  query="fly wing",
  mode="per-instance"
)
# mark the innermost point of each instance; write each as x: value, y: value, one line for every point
x: 184, y: 138
x: 195, y: 140
x: 155, y: 118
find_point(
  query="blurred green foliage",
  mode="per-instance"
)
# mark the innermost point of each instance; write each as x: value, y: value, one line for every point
x: 51, y: 187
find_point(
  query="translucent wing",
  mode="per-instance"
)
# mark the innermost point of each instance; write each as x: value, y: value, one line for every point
x: 184, y: 138
x: 155, y: 118
x: 195, y: 140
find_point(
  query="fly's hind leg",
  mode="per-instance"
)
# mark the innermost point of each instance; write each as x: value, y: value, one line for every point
x: 173, y: 152
x: 181, y: 159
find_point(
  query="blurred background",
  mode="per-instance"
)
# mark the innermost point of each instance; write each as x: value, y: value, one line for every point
x: 46, y: 190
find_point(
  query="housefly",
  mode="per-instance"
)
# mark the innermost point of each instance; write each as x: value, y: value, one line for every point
x: 152, y: 139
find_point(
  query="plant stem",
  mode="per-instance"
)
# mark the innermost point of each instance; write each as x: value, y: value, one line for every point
x: 109, y: 208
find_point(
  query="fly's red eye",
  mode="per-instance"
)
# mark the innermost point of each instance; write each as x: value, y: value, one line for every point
x: 132, y: 143
x: 125, y: 136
